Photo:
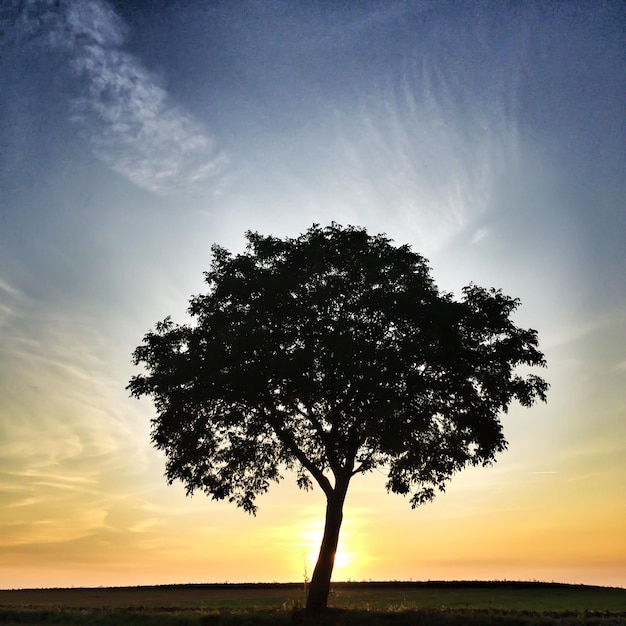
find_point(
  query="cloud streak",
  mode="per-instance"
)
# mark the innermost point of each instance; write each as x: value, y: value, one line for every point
x: 423, y: 151
x: 431, y: 162
x: 123, y: 110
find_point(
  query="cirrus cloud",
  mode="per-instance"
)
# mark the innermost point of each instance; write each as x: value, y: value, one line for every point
x: 122, y: 109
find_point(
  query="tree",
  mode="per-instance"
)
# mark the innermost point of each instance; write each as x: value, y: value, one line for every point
x: 332, y: 354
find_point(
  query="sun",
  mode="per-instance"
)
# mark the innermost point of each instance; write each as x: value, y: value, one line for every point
x: 310, y: 539
x: 342, y: 559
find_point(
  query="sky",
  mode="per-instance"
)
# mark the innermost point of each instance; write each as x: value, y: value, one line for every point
x: 135, y: 134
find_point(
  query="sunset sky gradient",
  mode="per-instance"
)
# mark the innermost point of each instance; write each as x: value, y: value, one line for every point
x: 134, y: 134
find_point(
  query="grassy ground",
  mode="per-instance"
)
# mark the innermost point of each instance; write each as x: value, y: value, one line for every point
x: 369, y: 604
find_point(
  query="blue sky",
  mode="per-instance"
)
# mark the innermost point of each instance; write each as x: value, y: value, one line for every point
x: 133, y: 135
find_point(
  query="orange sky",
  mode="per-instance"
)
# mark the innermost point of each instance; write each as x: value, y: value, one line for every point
x: 534, y: 515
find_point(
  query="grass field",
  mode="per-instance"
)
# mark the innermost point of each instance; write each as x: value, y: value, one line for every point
x: 375, y: 604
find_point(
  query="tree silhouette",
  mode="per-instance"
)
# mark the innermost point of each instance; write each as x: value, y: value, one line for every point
x: 331, y: 354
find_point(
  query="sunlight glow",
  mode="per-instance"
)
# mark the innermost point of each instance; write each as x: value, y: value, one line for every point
x: 342, y: 559
x: 310, y: 539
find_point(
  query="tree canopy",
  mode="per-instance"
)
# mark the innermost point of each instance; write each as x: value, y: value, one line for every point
x: 332, y: 354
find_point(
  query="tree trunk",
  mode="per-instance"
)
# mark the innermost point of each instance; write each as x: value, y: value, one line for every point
x: 319, y: 587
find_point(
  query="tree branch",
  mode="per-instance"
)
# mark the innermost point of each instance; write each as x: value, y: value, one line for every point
x: 325, y: 437
x: 287, y: 440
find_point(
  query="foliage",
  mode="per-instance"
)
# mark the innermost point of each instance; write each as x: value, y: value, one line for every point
x: 331, y: 354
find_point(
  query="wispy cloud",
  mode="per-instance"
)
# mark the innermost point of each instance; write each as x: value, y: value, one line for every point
x: 146, y: 524
x: 9, y: 299
x: 432, y: 145
x: 480, y: 234
x: 8, y: 288
x: 58, y: 384
x: 123, y: 110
